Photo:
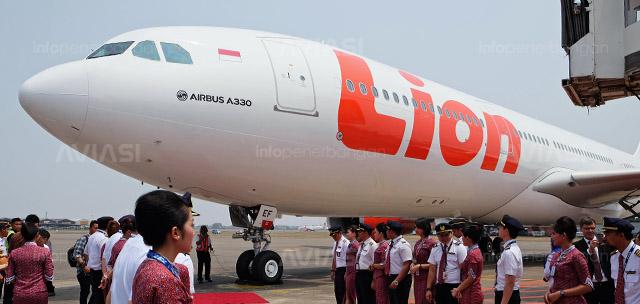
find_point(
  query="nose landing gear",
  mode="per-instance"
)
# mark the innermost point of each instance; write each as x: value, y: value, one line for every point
x: 258, y: 265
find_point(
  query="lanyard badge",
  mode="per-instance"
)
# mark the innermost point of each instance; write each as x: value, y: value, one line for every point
x: 156, y: 256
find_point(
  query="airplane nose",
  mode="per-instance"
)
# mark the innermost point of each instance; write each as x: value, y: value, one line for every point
x: 57, y: 99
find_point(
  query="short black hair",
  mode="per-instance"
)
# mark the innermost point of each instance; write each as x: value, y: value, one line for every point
x: 424, y: 224
x: 103, y: 222
x: 157, y: 212
x: 565, y: 225
x: 44, y: 233
x: 587, y: 220
x: 128, y: 223
x: 382, y: 228
x: 94, y: 222
x: 29, y: 232
x: 513, y: 232
x: 473, y: 232
x: 32, y: 219
x: 15, y: 219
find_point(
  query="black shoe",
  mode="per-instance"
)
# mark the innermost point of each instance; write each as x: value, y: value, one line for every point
x: 209, y: 280
x: 200, y: 281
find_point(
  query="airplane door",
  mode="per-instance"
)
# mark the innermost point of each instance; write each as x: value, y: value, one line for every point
x: 294, y: 84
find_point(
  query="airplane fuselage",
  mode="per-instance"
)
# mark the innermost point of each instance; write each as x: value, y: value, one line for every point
x: 262, y: 118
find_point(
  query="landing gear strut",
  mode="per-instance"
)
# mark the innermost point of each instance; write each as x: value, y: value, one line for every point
x: 257, y: 265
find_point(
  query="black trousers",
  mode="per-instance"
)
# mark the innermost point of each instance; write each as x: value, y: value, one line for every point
x: 8, y: 294
x: 515, y: 297
x: 96, y: 292
x: 603, y: 293
x: 204, y: 259
x: 339, y: 285
x: 85, y: 286
x: 443, y: 293
x: 365, y: 294
x: 400, y: 295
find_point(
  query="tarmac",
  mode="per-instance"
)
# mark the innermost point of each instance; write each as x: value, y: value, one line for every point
x: 307, y: 261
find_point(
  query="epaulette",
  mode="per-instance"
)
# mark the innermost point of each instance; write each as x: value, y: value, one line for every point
x: 508, y: 247
x: 403, y: 241
x: 457, y: 243
x: 614, y: 252
x: 637, y: 252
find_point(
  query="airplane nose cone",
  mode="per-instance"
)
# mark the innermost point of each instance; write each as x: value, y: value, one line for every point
x: 57, y: 99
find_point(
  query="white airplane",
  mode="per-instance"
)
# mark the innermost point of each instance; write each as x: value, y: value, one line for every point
x: 307, y: 228
x: 269, y: 123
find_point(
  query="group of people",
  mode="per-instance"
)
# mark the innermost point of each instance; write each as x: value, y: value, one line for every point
x: 26, y: 264
x: 140, y: 258
x: 377, y: 265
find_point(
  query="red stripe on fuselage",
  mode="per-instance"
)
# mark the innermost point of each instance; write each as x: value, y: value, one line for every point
x: 361, y: 126
x: 424, y: 123
x: 455, y: 152
x: 496, y: 127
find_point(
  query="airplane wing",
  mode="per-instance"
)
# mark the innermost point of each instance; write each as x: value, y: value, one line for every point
x: 590, y: 189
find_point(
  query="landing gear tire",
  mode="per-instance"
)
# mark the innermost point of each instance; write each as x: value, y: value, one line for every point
x: 243, y: 265
x: 267, y: 267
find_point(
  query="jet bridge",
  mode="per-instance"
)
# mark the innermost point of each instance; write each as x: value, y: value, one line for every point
x: 602, y: 39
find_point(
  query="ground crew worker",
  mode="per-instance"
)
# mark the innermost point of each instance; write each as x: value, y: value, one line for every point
x: 339, y: 263
x: 597, y: 254
x: 444, y: 266
x: 625, y: 261
x: 420, y: 266
x: 509, y: 269
x: 364, y: 259
x: 397, y: 265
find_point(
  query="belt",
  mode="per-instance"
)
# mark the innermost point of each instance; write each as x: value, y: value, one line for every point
x: 363, y: 270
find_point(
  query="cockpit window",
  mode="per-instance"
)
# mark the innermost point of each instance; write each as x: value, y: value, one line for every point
x: 111, y: 49
x: 175, y: 53
x: 146, y: 49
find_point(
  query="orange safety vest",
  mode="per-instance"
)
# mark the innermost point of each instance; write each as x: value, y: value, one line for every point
x: 202, y: 243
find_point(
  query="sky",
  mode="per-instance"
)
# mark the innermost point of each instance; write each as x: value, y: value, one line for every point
x: 506, y: 52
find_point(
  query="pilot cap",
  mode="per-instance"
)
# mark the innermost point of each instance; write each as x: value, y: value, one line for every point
x: 127, y: 218
x: 510, y: 223
x: 443, y: 227
x: 187, y: 200
x: 334, y: 230
x: 457, y: 223
x: 395, y: 226
x: 365, y: 227
x: 617, y: 224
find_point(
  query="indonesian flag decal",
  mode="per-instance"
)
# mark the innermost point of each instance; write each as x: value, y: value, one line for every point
x: 229, y: 55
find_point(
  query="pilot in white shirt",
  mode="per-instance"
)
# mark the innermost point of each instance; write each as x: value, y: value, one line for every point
x: 364, y: 259
x: 444, y: 273
x: 108, y: 246
x: 509, y: 266
x: 132, y: 255
x: 338, y: 262
x: 625, y: 262
x: 399, y: 256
